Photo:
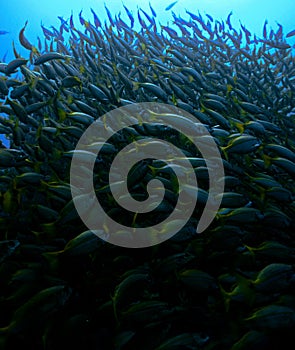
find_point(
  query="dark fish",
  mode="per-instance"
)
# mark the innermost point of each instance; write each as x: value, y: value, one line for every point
x: 183, y: 30
x: 84, y: 37
x: 38, y: 306
x: 7, y: 247
x: 151, y: 20
x: 98, y: 93
x: 265, y: 30
x: 159, y: 92
x: 81, y: 19
x: 3, y: 32
x: 169, y: 7
x: 170, y: 31
x: 228, y: 20
x: 192, y: 15
x: 18, y: 110
x: 141, y: 21
x: 292, y: 33
x: 109, y: 15
x: 97, y: 22
x: 71, y: 81
x: 23, y: 40
x: 210, y: 17
x: 13, y: 65
x: 152, y: 10
x: 63, y: 21
x: 19, y: 91
x: 277, y: 45
x: 279, y: 33
x: 48, y: 57
x: 129, y: 14
x: 72, y: 22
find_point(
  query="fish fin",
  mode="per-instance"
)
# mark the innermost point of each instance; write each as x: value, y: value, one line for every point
x: 52, y: 259
x: 61, y: 114
x: 224, y: 152
x: 136, y: 85
x: 267, y: 160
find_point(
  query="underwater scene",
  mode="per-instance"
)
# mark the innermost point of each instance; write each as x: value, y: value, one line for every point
x: 147, y: 166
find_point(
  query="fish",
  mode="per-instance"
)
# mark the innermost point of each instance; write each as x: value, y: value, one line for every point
x: 210, y: 17
x: 290, y: 34
x: 129, y: 14
x: 184, y: 339
x: 242, y: 144
x: 131, y: 287
x: 23, y: 40
x: 81, y: 19
x: 198, y: 280
x: 169, y: 7
x: 228, y: 20
x: 151, y: 20
x: 158, y: 91
x: 7, y: 248
x: 63, y: 21
x: 264, y: 29
x: 141, y: 21
x: 48, y: 57
x: 272, y: 317
x: 97, y: 21
x: 152, y: 10
x: 49, y: 299
x: 72, y: 22
x: 14, y: 64
x: 3, y: 32
x: 71, y: 81
x: 47, y: 33
x: 109, y: 15
x: 171, y: 32
x: 252, y: 338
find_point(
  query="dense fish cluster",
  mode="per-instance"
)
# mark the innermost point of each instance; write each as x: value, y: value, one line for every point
x: 231, y: 287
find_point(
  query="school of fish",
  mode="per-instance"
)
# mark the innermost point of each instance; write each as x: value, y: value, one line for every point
x: 231, y: 287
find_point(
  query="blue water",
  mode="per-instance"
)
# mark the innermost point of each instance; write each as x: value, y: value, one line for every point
x: 251, y: 13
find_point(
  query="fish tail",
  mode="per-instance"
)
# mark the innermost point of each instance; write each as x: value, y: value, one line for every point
x: 225, y: 153
x: 115, y: 311
x: 52, y: 259
x: 267, y: 160
x: 3, y: 331
x: 136, y: 85
x: 225, y: 296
